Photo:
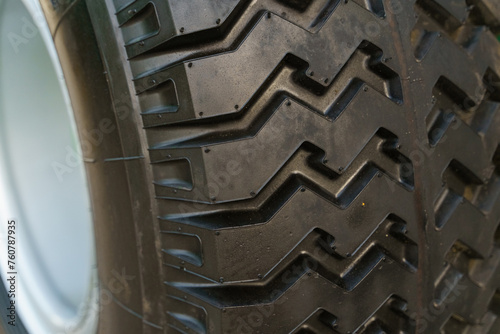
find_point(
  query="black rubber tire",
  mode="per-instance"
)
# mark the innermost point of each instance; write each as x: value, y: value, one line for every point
x: 287, y: 166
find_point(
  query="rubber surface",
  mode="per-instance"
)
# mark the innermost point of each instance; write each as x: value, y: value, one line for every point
x: 318, y: 166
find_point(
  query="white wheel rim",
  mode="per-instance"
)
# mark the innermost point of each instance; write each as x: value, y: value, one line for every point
x: 42, y: 180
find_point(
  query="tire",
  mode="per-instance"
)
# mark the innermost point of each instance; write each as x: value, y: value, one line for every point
x: 290, y: 166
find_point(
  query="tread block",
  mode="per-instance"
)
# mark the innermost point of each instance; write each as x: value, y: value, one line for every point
x: 199, y: 22
x: 460, y: 185
x: 462, y: 21
x: 294, y: 116
x: 449, y: 101
x: 291, y: 71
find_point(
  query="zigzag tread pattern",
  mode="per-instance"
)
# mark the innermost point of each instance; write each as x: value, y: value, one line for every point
x: 273, y: 111
x: 288, y: 188
x: 317, y: 73
x: 311, y: 261
x: 301, y: 183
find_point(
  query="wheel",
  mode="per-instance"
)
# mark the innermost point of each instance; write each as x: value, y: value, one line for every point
x: 47, y: 256
x: 288, y: 166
